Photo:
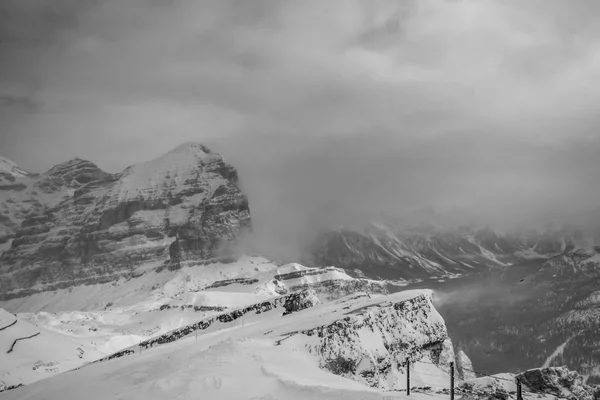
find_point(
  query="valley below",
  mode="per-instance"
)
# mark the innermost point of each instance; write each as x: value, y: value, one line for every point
x: 523, y: 316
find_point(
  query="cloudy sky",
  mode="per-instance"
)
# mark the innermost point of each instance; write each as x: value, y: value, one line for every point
x: 331, y: 109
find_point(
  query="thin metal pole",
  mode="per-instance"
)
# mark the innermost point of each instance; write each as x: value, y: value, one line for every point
x: 408, y: 377
x: 452, y: 381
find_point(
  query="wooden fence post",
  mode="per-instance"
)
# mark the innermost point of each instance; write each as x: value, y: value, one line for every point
x: 519, y: 390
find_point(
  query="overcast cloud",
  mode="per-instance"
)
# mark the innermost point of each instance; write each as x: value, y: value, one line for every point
x: 331, y: 110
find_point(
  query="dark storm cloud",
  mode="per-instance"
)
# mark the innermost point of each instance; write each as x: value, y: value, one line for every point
x: 332, y: 110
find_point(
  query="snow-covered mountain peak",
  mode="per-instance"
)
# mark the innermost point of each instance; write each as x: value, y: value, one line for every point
x: 191, y: 147
x: 177, y: 168
x: 9, y: 167
x: 185, y: 155
x: 182, y: 205
x: 75, y: 172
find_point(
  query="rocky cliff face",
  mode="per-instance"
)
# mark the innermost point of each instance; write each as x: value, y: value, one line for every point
x: 372, y: 343
x: 559, y: 382
x: 82, y: 225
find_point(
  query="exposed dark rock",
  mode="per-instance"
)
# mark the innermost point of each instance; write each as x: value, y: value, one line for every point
x: 342, y: 366
x: 12, y: 387
x: 227, y: 282
x: 300, y: 301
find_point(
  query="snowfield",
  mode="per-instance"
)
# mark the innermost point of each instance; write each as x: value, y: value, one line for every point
x: 212, y: 369
x: 243, y: 359
x: 263, y: 356
x: 105, y: 318
x: 251, y: 329
x: 23, y: 363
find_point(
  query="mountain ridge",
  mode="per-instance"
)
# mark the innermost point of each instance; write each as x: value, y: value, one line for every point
x: 391, y: 250
x: 80, y: 220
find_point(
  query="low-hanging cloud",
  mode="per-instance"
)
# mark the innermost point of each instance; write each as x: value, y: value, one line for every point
x: 334, y: 111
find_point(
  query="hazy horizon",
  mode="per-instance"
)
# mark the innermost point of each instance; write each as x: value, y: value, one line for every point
x: 332, y: 111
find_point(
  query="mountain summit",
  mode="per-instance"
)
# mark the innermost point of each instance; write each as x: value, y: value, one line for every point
x: 9, y: 167
x: 9, y: 173
x: 76, y: 224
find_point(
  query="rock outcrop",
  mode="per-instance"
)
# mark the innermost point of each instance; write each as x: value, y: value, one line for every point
x: 560, y: 382
x: 330, y: 283
x: 300, y: 301
x: 373, y: 343
x: 88, y: 226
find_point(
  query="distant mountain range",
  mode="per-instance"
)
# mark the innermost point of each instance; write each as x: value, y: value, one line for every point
x: 402, y: 249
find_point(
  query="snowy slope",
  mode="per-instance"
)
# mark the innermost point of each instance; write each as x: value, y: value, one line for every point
x: 226, y: 370
x: 234, y: 358
x: 269, y: 356
x: 41, y: 353
x: 249, y: 279
x: 111, y: 316
x: 177, y: 168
